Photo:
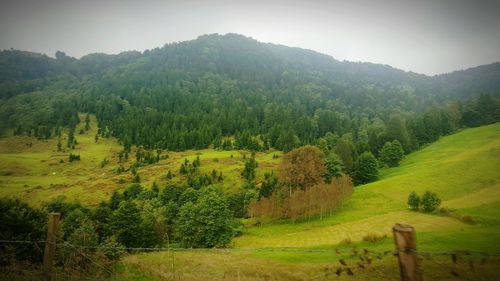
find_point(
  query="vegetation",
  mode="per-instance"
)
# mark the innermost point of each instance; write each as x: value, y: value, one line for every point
x: 413, y: 201
x: 430, y: 201
x: 391, y: 153
x: 206, y: 223
x: 184, y: 96
x: 179, y: 145
x: 365, y: 169
x: 20, y: 222
x: 374, y: 207
x: 302, y: 168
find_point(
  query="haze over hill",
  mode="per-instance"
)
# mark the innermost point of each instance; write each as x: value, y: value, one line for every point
x: 431, y: 37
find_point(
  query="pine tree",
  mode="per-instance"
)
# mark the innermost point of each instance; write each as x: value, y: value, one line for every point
x: 87, y: 122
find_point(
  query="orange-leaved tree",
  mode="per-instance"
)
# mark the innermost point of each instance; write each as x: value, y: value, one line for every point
x: 302, y: 168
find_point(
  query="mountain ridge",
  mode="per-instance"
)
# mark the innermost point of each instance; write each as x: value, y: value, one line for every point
x: 305, y: 56
x: 194, y: 93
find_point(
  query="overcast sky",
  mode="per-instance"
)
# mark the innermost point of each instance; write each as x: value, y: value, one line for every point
x: 424, y: 36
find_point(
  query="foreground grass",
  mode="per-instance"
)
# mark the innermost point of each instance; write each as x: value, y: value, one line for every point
x: 210, y: 265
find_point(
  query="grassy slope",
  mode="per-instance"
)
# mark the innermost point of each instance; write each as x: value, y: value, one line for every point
x: 463, y: 169
x: 35, y: 173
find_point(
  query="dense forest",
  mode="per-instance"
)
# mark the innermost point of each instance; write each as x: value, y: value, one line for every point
x: 230, y: 91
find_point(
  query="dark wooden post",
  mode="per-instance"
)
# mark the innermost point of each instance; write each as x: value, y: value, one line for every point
x: 50, y: 246
x: 406, y: 245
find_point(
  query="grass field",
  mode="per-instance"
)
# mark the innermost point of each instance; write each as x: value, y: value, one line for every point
x: 463, y: 169
x: 35, y: 174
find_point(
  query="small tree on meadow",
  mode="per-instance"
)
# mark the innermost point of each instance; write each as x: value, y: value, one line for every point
x: 365, y: 169
x: 392, y: 153
x: 413, y: 201
x: 248, y: 172
x: 430, y: 202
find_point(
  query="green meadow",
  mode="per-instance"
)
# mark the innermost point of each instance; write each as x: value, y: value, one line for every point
x: 463, y: 169
x: 35, y: 171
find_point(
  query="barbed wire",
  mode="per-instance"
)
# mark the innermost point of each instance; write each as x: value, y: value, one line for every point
x: 21, y: 241
x: 275, y: 249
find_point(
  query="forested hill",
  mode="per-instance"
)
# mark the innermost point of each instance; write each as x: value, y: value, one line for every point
x: 193, y: 94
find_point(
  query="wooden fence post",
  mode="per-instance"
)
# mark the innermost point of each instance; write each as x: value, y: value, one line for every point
x: 406, y: 245
x: 50, y: 246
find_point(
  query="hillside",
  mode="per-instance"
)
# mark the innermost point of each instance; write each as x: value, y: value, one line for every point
x: 192, y: 94
x: 35, y: 171
x: 177, y: 146
x: 461, y: 168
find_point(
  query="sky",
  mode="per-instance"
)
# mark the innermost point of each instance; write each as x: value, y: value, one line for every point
x: 424, y: 36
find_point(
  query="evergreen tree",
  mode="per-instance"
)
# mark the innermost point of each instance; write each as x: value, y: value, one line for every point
x: 71, y: 138
x: 391, y: 153
x: 365, y: 169
x: 346, y: 150
x: 87, y: 122
x: 128, y: 227
x: 248, y: 172
x: 333, y: 167
x: 396, y: 130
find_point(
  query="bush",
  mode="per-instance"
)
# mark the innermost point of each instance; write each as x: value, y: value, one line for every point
x: 413, y: 201
x: 205, y: 223
x: 392, y: 153
x: 430, y: 202
x: 373, y: 237
x: 19, y: 221
x: 365, y: 169
x: 74, y: 157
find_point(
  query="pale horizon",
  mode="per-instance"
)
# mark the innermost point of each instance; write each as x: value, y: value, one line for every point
x: 428, y: 37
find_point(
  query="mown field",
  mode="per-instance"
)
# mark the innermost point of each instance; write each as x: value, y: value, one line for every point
x: 463, y: 169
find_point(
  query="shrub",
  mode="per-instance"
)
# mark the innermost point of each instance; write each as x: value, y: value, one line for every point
x: 469, y: 219
x: 413, y: 201
x: 19, y: 221
x: 430, y: 202
x: 205, y: 223
x: 373, y: 237
x: 346, y: 241
x: 74, y: 157
x: 392, y: 153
